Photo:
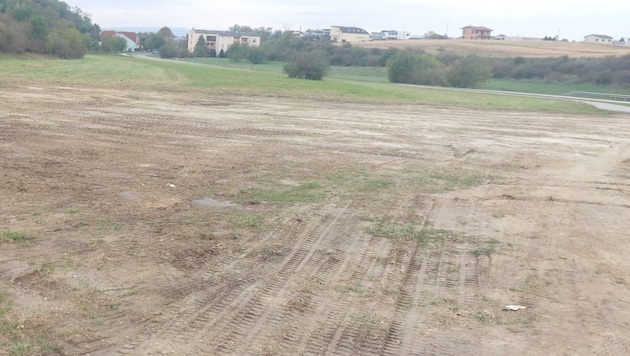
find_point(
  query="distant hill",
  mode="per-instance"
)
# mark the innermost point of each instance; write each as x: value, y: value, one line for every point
x: 177, y: 31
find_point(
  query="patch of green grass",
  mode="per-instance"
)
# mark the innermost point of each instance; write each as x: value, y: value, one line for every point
x: 14, y: 236
x: 484, y: 251
x: 243, y: 219
x: 20, y: 347
x: 396, y: 230
x: 355, y: 84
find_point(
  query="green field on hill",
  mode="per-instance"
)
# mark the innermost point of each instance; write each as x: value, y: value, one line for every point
x: 223, y: 77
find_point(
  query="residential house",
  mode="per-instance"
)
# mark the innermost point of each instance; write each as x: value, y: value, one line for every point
x: 348, y: 34
x: 389, y: 34
x: 394, y: 35
x: 476, y: 33
x: 132, y: 40
x: 318, y: 34
x: 221, y: 40
x: 598, y: 39
x: 516, y: 38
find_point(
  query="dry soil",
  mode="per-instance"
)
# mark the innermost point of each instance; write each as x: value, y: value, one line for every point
x: 188, y: 223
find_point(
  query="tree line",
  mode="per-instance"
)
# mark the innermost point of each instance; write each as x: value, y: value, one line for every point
x: 442, y: 69
x: 46, y: 26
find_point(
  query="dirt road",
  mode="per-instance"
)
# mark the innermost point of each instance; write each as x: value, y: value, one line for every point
x: 146, y: 223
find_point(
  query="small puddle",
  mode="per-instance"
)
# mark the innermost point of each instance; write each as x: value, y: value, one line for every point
x: 212, y: 203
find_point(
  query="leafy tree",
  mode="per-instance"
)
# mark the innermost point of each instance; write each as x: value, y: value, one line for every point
x: 240, y: 29
x: 169, y: 49
x: 66, y: 43
x: 389, y: 53
x: 201, y: 48
x: 165, y: 33
x: 408, y: 67
x: 255, y: 55
x: 468, y: 72
x: 114, y: 44
x: 39, y: 27
x: 153, y: 41
x: 237, y: 52
x: 307, y: 66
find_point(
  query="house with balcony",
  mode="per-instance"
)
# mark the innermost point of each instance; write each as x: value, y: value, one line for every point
x: 221, y: 40
x: 476, y: 33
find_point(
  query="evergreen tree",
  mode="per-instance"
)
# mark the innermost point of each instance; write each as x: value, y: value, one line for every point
x: 201, y: 48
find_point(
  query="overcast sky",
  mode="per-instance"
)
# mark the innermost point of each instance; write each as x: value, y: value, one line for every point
x: 572, y: 19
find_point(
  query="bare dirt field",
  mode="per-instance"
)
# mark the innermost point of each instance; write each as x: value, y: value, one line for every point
x: 506, y: 48
x: 147, y: 223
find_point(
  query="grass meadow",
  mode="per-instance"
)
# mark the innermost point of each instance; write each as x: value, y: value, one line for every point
x: 224, y: 77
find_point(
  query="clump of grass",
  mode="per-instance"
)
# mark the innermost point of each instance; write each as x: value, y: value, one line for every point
x: 14, y: 236
x: 396, y: 230
x: 484, y: 251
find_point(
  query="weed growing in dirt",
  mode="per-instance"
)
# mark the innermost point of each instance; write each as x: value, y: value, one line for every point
x: 47, y: 267
x: 483, y: 251
x: 14, y: 236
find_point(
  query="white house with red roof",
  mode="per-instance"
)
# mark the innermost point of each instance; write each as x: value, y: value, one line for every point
x: 131, y: 39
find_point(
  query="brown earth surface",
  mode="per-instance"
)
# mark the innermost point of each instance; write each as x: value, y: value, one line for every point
x: 185, y: 223
x: 497, y: 48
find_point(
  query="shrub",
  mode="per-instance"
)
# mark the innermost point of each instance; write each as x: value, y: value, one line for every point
x: 468, y: 72
x: 255, y: 55
x: 169, y: 50
x: 237, y: 52
x: 407, y: 67
x: 307, y: 67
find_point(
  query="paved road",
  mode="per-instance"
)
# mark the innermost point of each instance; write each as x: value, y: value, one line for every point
x: 608, y: 106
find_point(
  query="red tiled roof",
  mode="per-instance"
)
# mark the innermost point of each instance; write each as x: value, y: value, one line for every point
x: 483, y: 28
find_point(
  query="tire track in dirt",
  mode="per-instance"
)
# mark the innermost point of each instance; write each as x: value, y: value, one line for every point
x: 267, y: 307
x: 220, y: 308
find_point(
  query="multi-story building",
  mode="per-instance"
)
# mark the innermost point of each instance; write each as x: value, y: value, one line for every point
x: 476, y: 33
x: 221, y: 40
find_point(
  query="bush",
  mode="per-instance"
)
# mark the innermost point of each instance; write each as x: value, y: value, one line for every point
x: 407, y: 67
x: 307, y: 67
x: 255, y: 55
x: 468, y: 72
x: 114, y: 44
x: 237, y: 52
x: 169, y: 50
